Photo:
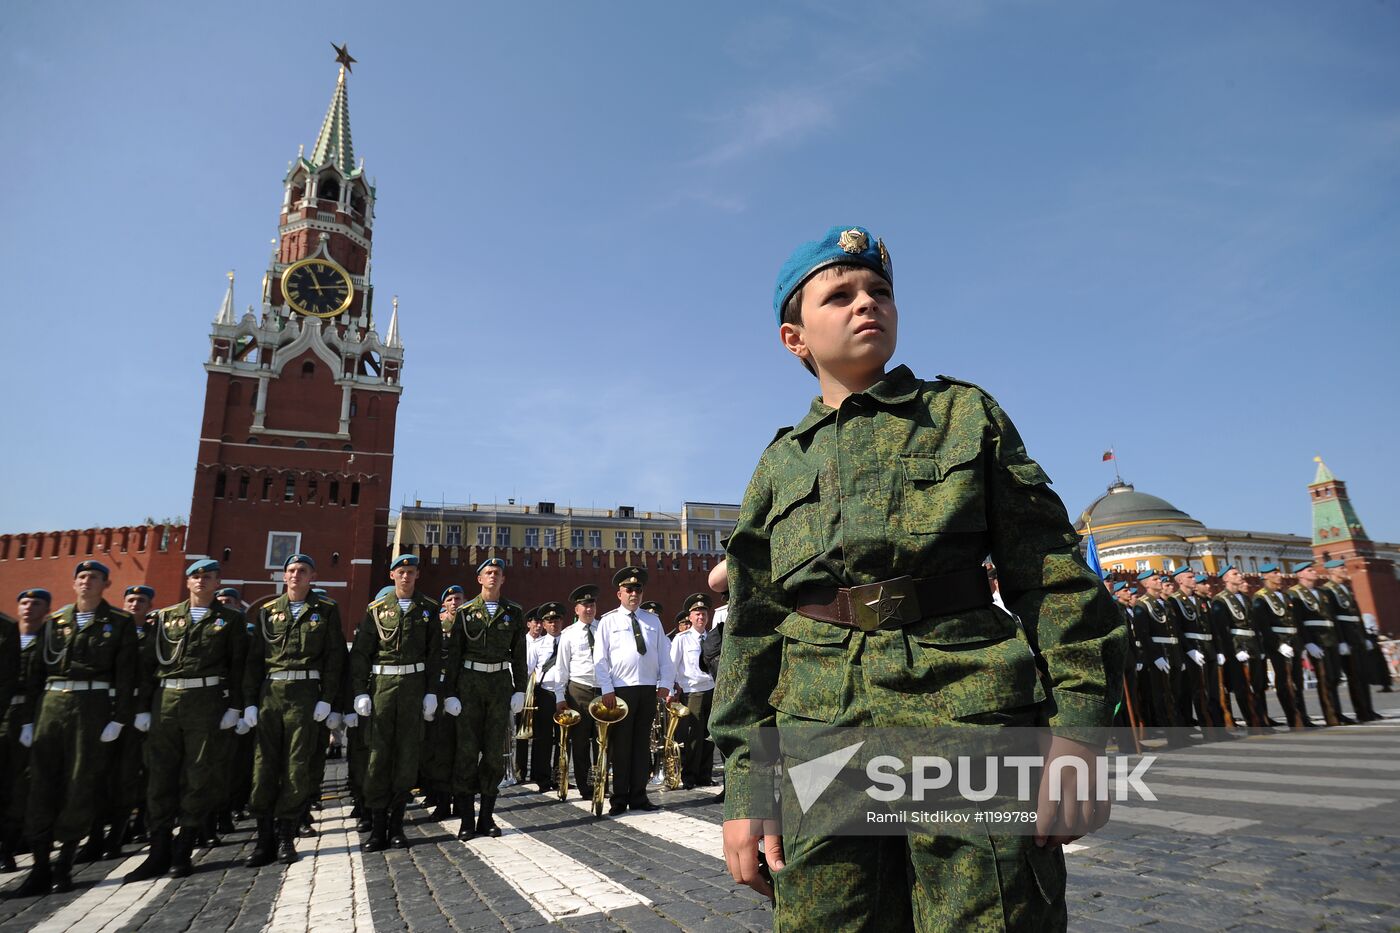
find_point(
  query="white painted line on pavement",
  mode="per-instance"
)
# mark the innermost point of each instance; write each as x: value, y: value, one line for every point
x: 325, y: 889
x: 554, y: 883
x: 670, y: 826
x: 107, y: 905
x: 1270, y: 777
x: 1177, y: 820
x: 1272, y: 797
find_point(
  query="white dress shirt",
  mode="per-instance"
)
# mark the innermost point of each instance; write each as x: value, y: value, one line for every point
x: 685, y: 658
x: 538, y: 652
x: 717, y: 619
x: 616, y: 662
x: 575, y: 658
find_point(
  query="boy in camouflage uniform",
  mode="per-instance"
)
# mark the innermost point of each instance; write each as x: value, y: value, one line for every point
x: 891, y: 477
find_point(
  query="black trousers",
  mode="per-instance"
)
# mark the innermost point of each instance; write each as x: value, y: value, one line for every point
x: 544, y: 744
x: 698, y: 756
x: 1288, y: 684
x: 582, y: 737
x: 629, y: 744
x: 1356, y: 667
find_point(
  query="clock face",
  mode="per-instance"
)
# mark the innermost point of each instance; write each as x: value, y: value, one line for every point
x: 317, y: 287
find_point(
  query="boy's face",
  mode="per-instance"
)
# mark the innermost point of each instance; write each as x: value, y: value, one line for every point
x: 849, y: 322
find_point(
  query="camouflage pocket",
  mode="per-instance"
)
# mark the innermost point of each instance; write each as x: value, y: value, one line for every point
x: 813, y: 678
x: 792, y: 525
x: 972, y: 663
x: 944, y: 492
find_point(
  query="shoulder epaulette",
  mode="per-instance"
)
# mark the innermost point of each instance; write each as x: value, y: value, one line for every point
x: 122, y: 614
x: 964, y: 382
x: 781, y: 433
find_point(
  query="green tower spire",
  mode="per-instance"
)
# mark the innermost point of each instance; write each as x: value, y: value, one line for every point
x: 1334, y: 520
x: 333, y: 143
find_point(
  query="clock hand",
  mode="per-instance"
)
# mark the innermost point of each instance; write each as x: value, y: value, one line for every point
x: 314, y: 283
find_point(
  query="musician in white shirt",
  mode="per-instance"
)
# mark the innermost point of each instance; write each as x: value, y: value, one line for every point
x: 632, y: 661
x: 544, y: 745
x: 697, y: 692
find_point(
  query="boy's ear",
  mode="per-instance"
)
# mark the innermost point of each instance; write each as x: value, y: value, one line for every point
x: 793, y: 339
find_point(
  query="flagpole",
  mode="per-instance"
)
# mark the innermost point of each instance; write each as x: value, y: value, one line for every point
x: 1117, y: 476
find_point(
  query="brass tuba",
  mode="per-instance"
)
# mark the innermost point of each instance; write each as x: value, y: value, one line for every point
x: 605, y: 718
x: 672, y: 749
x: 565, y: 719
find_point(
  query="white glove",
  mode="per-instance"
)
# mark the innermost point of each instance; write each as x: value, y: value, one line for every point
x: 517, y: 703
x: 1139, y: 665
x: 352, y: 720
x: 241, y: 727
x: 452, y: 706
x: 26, y: 734
x: 229, y: 720
x: 1313, y: 650
x: 110, y: 733
x: 1162, y: 665
x: 250, y: 716
x: 321, y: 711
x: 1196, y: 656
x: 1286, y: 651
x: 429, y: 706
x: 1344, y: 649
x: 334, y: 721
x: 362, y: 705
x: 1370, y: 644
x: 1242, y: 656
x: 1220, y: 659
x: 141, y: 722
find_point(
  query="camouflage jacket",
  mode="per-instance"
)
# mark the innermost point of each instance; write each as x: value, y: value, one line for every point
x: 489, y: 639
x: 917, y: 478
x: 179, y: 647
x: 105, y: 650
x: 414, y: 636
x: 313, y: 641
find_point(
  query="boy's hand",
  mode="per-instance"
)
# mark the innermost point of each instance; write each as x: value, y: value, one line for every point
x: 1066, y: 819
x: 741, y: 853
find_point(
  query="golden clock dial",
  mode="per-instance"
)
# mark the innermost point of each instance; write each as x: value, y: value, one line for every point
x: 317, y: 287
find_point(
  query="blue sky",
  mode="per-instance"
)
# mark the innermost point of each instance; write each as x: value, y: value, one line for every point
x: 1172, y: 228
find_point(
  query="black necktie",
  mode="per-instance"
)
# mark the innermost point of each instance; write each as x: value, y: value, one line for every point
x: 704, y: 667
x: 589, y: 630
x: 552, y: 655
x: 637, y: 633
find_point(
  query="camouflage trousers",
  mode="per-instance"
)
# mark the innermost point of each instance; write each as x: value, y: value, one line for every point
x: 357, y: 755
x: 14, y: 783
x: 283, y: 775
x: 483, y: 730
x: 66, y: 764
x: 394, y: 734
x: 184, y: 757
x: 439, y: 749
x: 919, y: 882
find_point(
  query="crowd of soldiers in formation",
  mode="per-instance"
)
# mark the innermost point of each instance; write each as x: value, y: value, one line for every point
x: 167, y: 727
x: 1208, y: 661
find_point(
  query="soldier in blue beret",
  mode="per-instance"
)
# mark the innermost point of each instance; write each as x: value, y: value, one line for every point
x: 1319, y: 635
x: 396, y: 673
x: 87, y: 673
x: 1353, y: 646
x: 933, y: 478
x: 1273, y: 619
x: 291, y: 680
x: 1238, y: 641
x: 20, y: 656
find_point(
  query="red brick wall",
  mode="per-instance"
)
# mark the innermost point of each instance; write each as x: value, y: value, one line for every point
x: 134, y: 555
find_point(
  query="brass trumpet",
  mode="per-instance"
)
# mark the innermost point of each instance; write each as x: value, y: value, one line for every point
x: 605, y: 718
x: 527, y: 715
x: 565, y: 719
x: 671, y: 754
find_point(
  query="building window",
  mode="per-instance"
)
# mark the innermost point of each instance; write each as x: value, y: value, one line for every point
x: 546, y: 508
x: 220, y: 485
x: 267, y: 488
x: 620, y: 540
x: 595, y: 538
x: 532, y: 537
x: 483, y: 536
x: 576, y: 538
x: 637, y: 540
x: 289, y: 490
x: 502, y: 536
x: 280, y: 546
x: 707, y: 541
x: 1143, y: 565
x: 243, y: 486
x: 626, y: 511
x: 551, y: 537
x: 1254, y: 564
x: 335, y: 492
x: 354, y: 406
x: 658, y: 541
x: 454, y: 535
x: 311, y: 490
x: 432, y: 533
x: 675, y: 542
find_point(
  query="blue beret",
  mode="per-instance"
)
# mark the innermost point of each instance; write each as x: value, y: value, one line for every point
x: 409, y: 559
x: 1303, y: 566
x: 1269, y: 568
x: 454, y: 588
x: 491, y: 562
x: 842, y: 246
x: 140, y: 589
x: 1146, y: 575
x: 92, y: 565
x: 1201, y: 577
x: 1119, y: 586
x: 1226, y: 569
x: 298, y: 559
x: 228, y: 591
x: 382, y: 593
x: 202, y: 566
x: 1334, y: 564
x: 37, y: 592
x: 1180, y: 571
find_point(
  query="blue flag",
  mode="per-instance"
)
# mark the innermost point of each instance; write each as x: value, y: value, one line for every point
x: 1092, y: 557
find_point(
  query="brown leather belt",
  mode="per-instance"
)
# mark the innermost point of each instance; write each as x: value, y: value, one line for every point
x: 892, y: 604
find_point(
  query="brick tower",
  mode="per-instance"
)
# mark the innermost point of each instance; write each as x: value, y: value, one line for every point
x: 1339, y: 534
x: 297, y: 443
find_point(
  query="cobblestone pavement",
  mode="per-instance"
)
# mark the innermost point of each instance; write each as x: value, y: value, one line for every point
x: 1292, y: 831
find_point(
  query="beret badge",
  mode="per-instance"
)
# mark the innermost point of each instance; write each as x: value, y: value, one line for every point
x: 854, y: 241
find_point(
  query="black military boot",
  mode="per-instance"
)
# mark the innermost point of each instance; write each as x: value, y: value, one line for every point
x: 117, y: 837
x: 182, y: 853
x: 138, y: 827
x: 306, y: 826
x: 265, y: 852
x: 485, y: 826
x: 397, y: 839
x: 465, y: 804
x: 40, y: 879
x: 209, y: 832
x: 225, y: 822
x: 378, y: 839
x: 443, y: 809
x: 157, y: 861
x: 92, y: 848
x: 287, y: 841
x: 63, y: 868
x: 9, y: 845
